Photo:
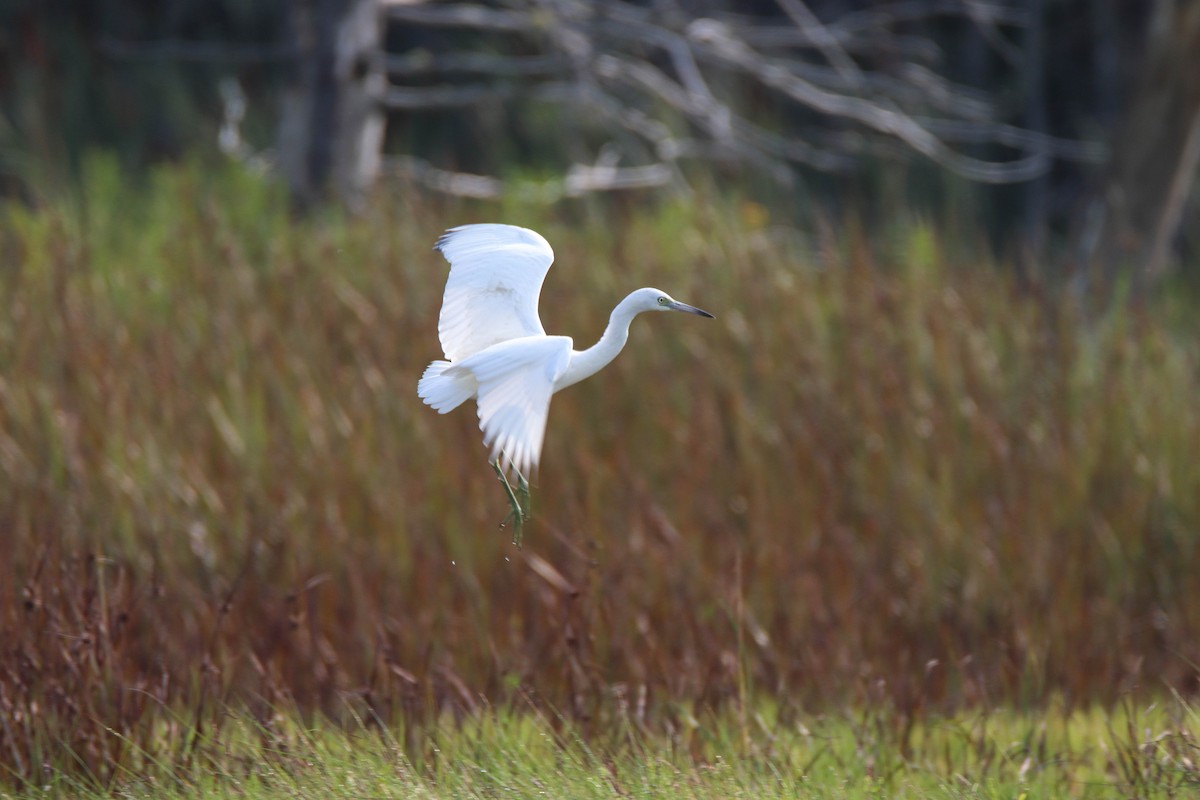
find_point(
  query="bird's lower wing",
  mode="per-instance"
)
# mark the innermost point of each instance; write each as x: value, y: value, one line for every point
x: 516, y: 380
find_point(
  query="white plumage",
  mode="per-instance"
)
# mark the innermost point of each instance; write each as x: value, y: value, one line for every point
x: 492, y: 293
x: 496, y: 349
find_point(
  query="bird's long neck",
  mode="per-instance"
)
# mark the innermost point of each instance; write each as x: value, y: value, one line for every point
x: 585, y: 363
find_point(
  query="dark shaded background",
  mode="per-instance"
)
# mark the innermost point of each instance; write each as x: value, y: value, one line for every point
x: 143, y: 79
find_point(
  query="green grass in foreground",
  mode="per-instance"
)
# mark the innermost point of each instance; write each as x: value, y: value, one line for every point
x: 1133, y: 752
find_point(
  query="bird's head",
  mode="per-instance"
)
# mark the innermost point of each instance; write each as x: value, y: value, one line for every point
x: 657, y: 300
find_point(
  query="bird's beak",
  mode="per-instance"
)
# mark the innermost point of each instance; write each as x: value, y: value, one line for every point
x: 675, y: 305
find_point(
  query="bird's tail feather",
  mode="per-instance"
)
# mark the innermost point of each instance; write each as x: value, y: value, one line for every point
x: 446, y: 388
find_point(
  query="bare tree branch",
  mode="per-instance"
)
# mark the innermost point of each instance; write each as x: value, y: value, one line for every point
x: 460, y: 184
x: 462, y: 15
x: 825, y: 41
x: 741, y: 133
x: 430, y: 97
x: 667, y: 80
x: 885, y: 120
x: 969, y: 132
x: 982, y: 15
x: 422, y: 62
x: 579, y: 180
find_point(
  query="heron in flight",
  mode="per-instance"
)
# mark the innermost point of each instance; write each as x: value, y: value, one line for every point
x: 498, y: 352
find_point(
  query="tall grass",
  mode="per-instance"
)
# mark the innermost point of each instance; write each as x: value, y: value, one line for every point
x: 883, y: 476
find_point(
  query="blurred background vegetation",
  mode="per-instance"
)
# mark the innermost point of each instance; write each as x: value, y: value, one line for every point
x: 937, y: 451
x: 1085, y: 110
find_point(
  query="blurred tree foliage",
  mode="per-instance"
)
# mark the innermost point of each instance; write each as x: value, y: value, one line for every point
x: 143, y: 78
x: 139, y: 77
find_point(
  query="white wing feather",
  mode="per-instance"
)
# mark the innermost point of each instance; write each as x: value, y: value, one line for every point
x: 496, y: 275
x: 516, y: 379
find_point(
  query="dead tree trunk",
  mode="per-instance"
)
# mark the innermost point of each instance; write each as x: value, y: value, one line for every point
x: 331, y: 128
x: 1155, y: 153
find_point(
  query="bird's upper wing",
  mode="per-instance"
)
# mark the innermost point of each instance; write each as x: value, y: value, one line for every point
x: 496, y: 274
x: 516, y: 379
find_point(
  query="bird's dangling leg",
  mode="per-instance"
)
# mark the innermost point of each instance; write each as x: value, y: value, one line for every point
x: 524, y: 495
x: 517, y: 512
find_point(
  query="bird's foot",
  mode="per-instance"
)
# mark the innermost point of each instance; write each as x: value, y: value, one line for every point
x: 519, y: 501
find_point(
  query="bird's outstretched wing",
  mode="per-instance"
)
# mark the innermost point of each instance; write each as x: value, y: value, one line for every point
x: 516, y: 379
x: 496, y: 274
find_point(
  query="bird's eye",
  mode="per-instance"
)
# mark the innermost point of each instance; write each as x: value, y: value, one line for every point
x: 662, y: 301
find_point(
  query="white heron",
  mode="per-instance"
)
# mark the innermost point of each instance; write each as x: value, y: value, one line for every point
x: 498, y: 352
